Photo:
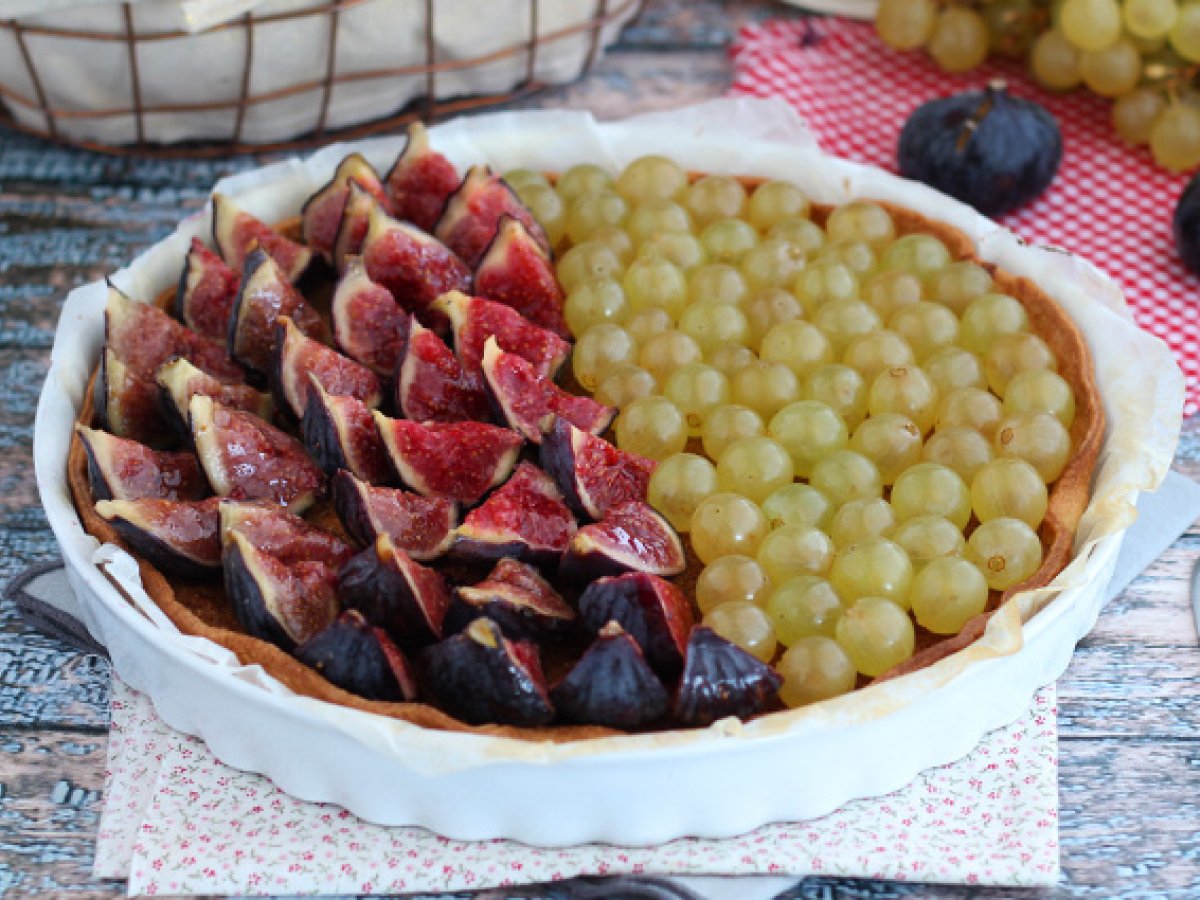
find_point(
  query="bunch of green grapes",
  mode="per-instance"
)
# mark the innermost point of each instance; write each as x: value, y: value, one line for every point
x: 1142, y: 54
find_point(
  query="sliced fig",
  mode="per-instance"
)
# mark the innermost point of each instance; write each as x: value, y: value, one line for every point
x: 414, y: 266
x: 178, y: 537
x: 420, y: 181
x: 632, y: 537
x: 406, y: 599
x: 340, y: 433
x: 654, y: 612
x: 145, y: 337
x: 266, y: 295
x: 474, y: 319
x: 322, y: 212
x: 458, y: 460
x: 246, y: 458
x: 121, y: 469
x: 352, y: 229
x: 612, y: 685
x: 431, y: 385
x: 528, y: 402
x: 237, y: 234
x: 283, y: 603
x: 423, y: 527
x: 178, y: 381
x: 517, y: 272
x: 721, y: 679
x: 360, y: 658
x: 525, y: 518
x: 368, y: 325
x: 127, y: 403
x: 207, y: 289
x: 480, y: 676
x: 593, y: 475
x: 281, y: 534
x: 299, y: 361
x: 516, y: 598
x: 472, y: 214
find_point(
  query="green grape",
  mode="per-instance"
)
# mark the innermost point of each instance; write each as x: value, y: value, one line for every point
x: 840, y: 387
x: 1009, y: 488
x: 891, y: 441
x: 930, y: 489
x: 952, y: 368
x: 678, y: 485
x: 798, y: 504
x: 1175, y: 137
x: 861, y: 220
x: 1040, y: 390
x: 1039, y: 439
x: 1184, y: 35
x: 728, y: 357
x: 928, y: 537
x: 823, y: 282
x: 871, y: 353
x: 651, y: 178
x: 733, y: 577
x: 623, y: 384
x: 726, y: 424
x: 522, y: 178
x: 906, y: 390
x: 586, y: 261
x: 583, y: 178
x: 1134, y: 115
x: 928, y: 327
x: 726, y: 524
x: 754, y: 467
x: 652, y: 427
x: 808, y: 430
x: 776, y: 201
x: 615, y: 239
x: 746, y: 625
x: 802, y: 606
x: 862, y: 520
x: 696, y: 389
x: 888, y: 291
x: 962, y: 449
x: 958, y: 284
x: 773, y: 263
x: 655, y: 282
x: 971, y: 408
x: 715, y: 197
x: 922, y: 255
x: 803, y: 234
x: 846, y: 475
x: 1113, y: 71
x: 765, y: 387
x: 656, y: 217
x: 683, y: 250
x: 857, y: 256
x: 1007, y: 552
x: 1090, y: 24
x: 598, y: 350
x: 588, y: 212
x: 874, y: 568
x: 946, y: 593
x: 795, y: 550
x: 960, y: 39
x: 547, y: 208
x: 815, y: 668
x: 799, y: 345
x: 876, y: 634
x: 717, y: 283
x: 1149, y: 18
x: 727, y: 240
x: 1055, y: 61
x: 666, y: 352
x: 1013, y: 353
x: 646, y: 323
x: 769, y: 308
x: 595, y: 302
x: 844, y: 321
x: 905, y: 24
x: 715, y: 323
x: 989, y: 317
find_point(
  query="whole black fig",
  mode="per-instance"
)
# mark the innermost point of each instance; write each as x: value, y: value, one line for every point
x: 1187, y: 225
x: 985, y: 148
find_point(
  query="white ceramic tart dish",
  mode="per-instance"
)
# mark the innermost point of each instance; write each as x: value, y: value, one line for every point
x: 646, y: 788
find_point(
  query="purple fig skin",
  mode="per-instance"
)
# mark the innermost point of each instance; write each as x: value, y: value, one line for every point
x: 340, y: 434
x: 654, y: 612
x: 423, y: 527
x: 720, y: 679
x: 633, y: 537
x: 611, y: 685
x: 516, y: 598
x: 481, y: 677
x: 360, y: 658
x: 121, y: 469
x: 176, y: 537
x: 405, y: 599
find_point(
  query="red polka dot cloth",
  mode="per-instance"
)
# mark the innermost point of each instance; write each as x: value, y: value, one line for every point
x: 1108, y: 203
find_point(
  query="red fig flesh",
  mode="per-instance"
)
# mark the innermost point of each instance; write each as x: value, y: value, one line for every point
x: 593, y: 475
x: 352, y: 229
x: 175, y: 536
x: 431, y: 385
x: 207, y: 289
x: 121, y: 469
x: 322, y: 212
x: 416, y: 267
x: 474, y: 319
x: 516, y: 598
x: 517, y: 272
x: 472, y: 215
x: 368, y: 326
x: 404, y: 598
x: 281, y: 534
x: 420, y: 181
x: 360, y: 658
x: 237, y: 233
x: 127, y: 403
x: 299, y: 361
x: 524, y: 519
x: 340, y: 433
x: 178, y: 381
x: 423, y: 527
x: 266, y: 295
x: 632, y: 537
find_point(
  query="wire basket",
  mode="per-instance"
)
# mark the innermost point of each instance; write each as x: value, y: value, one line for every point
x: 128, y: 78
